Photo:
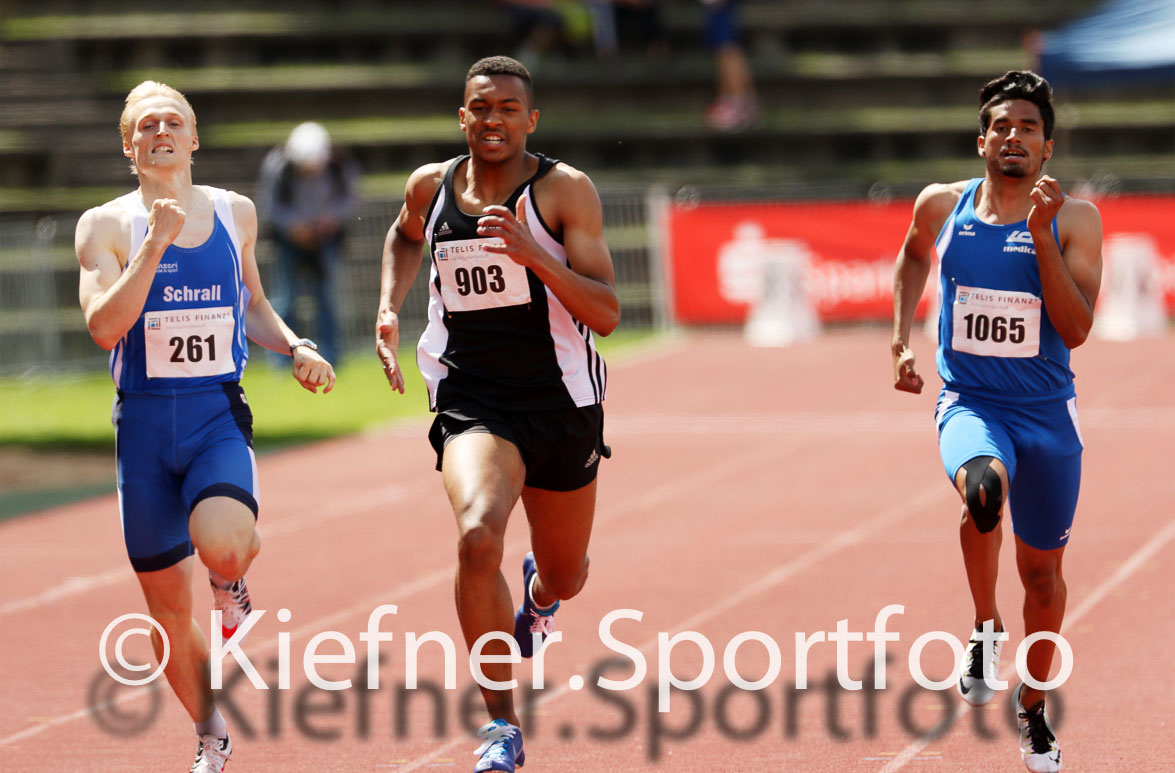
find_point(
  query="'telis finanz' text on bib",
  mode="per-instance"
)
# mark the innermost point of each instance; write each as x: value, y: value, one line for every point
x: 473, y: 279
x: 996, y: 323
x: 189, y: 343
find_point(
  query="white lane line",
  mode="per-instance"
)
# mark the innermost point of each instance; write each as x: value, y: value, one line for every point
x: 125, y: 697
x: 70, y: 586
x: 851, y: 422
x: 73, y: 586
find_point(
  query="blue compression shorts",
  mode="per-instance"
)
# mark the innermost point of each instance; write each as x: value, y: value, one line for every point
x: 1040, y: 444
x: 173, y: 452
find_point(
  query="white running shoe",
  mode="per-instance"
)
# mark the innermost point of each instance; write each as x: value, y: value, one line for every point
x: 501, y: 747
x: 212, y: 754
x: 233, y: 603
x: 972, y: 685
x: 1038, y: 745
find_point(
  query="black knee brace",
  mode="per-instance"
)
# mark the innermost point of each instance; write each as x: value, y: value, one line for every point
x: 980, y: 475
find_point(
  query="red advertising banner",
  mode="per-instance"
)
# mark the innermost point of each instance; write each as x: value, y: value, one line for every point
x: 723, y: 255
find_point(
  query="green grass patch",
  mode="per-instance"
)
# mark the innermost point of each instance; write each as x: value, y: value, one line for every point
x: 73, y: 412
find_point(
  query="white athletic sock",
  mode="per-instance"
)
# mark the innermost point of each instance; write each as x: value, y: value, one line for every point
x: 214, y: 725
x: 537, y: 608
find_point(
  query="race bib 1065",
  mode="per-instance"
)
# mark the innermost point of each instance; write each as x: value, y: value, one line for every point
x: 189, y: 343
x: 996, y: 323
x: 473, y: 279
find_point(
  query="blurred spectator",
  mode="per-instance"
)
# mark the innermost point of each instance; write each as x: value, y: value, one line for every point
x: 548, y: 26
x: 306, y: 195
x: 737, y: 107
x: 629, y: 24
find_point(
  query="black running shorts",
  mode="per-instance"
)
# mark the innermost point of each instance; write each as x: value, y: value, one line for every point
x: 561, y: 449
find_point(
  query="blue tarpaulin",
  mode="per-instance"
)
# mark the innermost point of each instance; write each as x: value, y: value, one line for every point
x: 1123, y: 41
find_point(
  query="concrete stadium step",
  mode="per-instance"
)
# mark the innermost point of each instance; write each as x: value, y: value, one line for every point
x: 816, y: 80
x: 617, y: 139
x: 825, y: 179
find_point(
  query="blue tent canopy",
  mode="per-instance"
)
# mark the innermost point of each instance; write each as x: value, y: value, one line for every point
x: 1123, y: 41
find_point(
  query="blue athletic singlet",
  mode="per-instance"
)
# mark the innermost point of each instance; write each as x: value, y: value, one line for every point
x: 1008, y: 390
x: 183, y: 428
x: 191, y: 334
x: 994, y: 333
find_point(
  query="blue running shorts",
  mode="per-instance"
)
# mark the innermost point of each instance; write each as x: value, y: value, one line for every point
x: 173, y: 452
x: 1040, y: 444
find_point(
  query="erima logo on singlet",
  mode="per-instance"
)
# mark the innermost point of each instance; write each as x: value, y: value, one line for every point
x: 1020, y: 241
x: 185, y: 293
x: 967, y: 230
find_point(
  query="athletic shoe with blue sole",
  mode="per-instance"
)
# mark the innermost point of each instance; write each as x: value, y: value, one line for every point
x: 501, y: 747
x: 530, y: 619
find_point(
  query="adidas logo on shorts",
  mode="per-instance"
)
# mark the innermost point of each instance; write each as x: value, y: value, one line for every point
x: 592, y: 459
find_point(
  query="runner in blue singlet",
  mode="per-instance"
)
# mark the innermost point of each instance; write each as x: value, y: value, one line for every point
x: 1020, y: 267
x: 168, y: 282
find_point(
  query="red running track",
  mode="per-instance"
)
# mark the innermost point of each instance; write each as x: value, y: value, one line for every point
x: 769, y: 490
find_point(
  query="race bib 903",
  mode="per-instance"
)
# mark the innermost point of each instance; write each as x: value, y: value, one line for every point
x: 473, y: 279
x: 189, y: 343
x: 996, y: 323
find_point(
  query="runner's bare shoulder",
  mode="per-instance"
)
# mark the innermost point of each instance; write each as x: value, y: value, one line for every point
x: 105, y: 228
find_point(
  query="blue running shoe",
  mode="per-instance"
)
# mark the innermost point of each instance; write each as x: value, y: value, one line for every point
x: 530, y: 619
x: 501, y: 747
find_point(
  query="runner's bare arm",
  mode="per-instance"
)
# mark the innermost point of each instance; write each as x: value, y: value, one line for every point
x: 402, y: 254
x: 586, y: 285
x: 112, y: 298
x: 1070, y: 272
x: 263, y: 325
x: 931, y: 210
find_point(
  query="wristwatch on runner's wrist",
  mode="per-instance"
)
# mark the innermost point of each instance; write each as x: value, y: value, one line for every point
x: 303, y: 342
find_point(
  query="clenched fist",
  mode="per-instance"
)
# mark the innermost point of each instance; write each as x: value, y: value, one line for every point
x: 165, y: 220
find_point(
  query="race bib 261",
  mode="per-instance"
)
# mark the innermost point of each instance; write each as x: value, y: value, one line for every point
x: 189, y: 343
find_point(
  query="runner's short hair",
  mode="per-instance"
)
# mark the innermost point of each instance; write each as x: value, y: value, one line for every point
x: 1017, y: 84
x: 502, y: 65
x: 146, y: 90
